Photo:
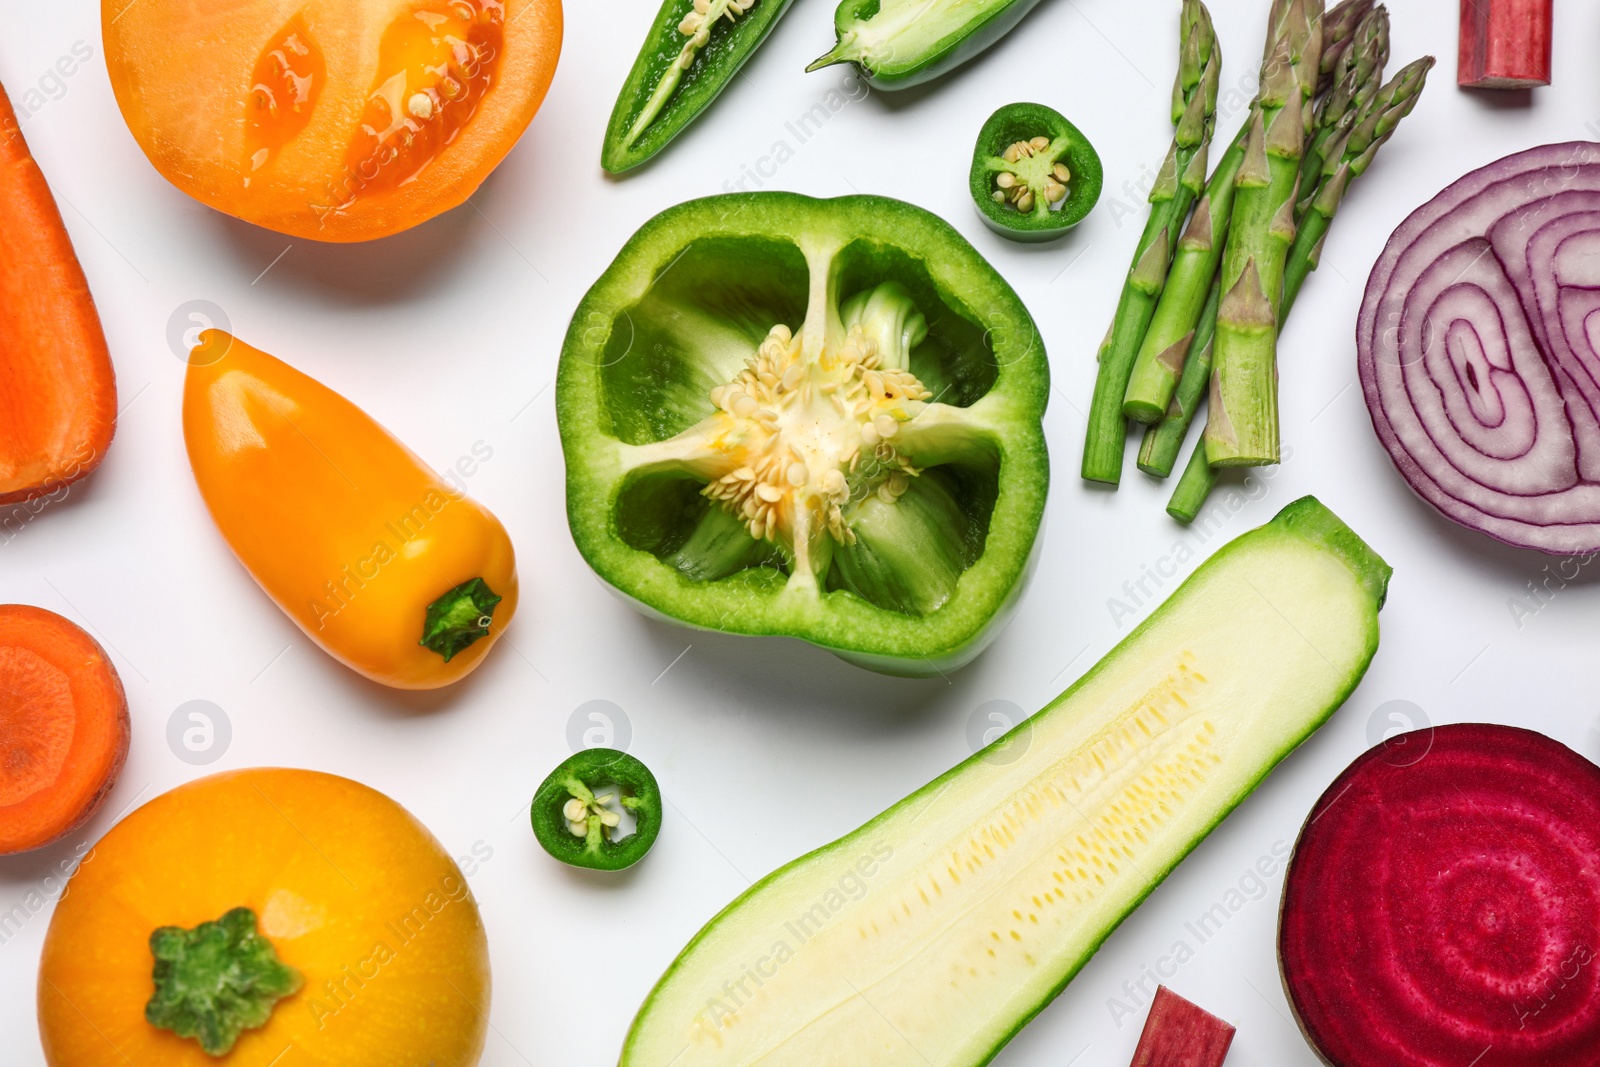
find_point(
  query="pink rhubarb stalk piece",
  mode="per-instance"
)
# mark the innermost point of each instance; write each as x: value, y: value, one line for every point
x: 1180, y: 1034
x: 1505, y: 44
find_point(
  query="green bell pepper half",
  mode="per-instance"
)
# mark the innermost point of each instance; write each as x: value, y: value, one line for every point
x: 901, y: 43
x: 1010, y: 143
x: 689, y: 56
x: 579, y: 808
x: 810, y: 418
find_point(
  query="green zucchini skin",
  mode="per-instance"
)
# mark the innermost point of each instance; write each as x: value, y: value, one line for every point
x: 964, y: 42
x: 729, y: 48
x: 958, y: 286
x: 1305, y: 534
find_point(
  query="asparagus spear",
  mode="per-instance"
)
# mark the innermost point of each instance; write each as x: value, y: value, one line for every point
x: 1170, y: 338
x: 1199, y: 478
x: 1357, y: 81
x: 1163, y: 441
x: 1378, y: 120
x: 1194, y: 99
x: 1243, y: 428
x: 1338, y: 31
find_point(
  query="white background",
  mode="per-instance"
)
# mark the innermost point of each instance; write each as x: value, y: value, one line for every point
x: 449, y: 335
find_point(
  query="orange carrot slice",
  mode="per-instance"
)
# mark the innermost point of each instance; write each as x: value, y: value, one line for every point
x: 58, y: 394
x: 63, y: 727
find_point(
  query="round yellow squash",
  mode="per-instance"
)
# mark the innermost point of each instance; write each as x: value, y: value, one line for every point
x: 324, y: 893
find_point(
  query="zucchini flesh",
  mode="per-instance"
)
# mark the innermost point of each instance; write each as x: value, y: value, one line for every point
x: 935, y: 931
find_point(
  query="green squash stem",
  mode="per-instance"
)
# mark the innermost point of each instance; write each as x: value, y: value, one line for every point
x: 216, y: 981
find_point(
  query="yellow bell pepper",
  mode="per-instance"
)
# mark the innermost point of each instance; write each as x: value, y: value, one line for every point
x: 389, y: 568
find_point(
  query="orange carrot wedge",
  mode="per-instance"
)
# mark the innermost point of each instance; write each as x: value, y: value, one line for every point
x: 63, y: 727
x: 58, y: 395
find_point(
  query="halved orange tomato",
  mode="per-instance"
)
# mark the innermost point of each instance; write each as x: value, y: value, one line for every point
x: 337, y: 120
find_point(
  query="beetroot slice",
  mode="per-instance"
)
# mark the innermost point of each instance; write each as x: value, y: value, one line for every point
x: 1443, y: 905
x: 1180, y: 1034
x: 1478, y: 348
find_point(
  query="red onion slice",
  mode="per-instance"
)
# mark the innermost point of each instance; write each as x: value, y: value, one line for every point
x: 1443, y: 905
x: 1479, y: 349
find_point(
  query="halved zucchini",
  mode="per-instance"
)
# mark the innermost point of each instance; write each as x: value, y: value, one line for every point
x: 934, y: 932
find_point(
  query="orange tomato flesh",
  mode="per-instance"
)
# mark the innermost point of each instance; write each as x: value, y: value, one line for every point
x: 284, y: 88
x: 336, y: 120
x: 435, y: 66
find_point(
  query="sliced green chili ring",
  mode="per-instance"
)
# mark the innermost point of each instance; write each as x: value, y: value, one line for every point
x: 1034, y: 174
x: 692, y: 52
x: 900, y: 43
x: 578, y: 809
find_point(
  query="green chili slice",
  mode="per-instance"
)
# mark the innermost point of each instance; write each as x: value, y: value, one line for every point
x: 1034, y: 174
x: 578, y: 811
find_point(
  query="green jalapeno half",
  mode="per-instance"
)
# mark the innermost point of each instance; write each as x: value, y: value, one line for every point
x: 692, y: 52
x: 899, y: 43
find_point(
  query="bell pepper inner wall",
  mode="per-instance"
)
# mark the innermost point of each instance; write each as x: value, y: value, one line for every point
x: 703, y: 317
x: 679, y: 314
